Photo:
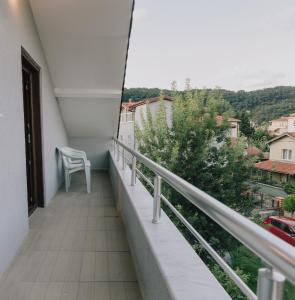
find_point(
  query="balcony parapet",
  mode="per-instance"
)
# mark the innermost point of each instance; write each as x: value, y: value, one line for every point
x: 166, y: 265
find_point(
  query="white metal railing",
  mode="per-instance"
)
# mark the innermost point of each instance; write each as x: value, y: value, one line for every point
x: 277, y: 254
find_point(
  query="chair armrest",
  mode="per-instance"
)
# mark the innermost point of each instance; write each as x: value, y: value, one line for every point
x: 74, y: 155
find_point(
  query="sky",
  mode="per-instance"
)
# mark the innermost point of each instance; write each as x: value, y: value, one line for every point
x: 232, y: 44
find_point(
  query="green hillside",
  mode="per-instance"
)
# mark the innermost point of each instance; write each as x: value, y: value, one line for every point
x: 264, y: 105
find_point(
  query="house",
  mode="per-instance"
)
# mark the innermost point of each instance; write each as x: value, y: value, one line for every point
x: 281, y: 162
x: 234, y: 127
x: 282, y: 125
x: 62, y: 70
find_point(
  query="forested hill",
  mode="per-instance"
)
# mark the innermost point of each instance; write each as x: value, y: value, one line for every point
x: 264, y: 105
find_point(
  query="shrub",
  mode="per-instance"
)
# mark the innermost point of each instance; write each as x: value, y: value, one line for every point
x: 289, y: 204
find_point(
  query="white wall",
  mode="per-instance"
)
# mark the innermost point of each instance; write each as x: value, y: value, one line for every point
x: 276, y: 149
x: 18, y: 29
x: 126, y: 131
x: 291, y: 125
x: 95, y: 148
x: 154, y: 108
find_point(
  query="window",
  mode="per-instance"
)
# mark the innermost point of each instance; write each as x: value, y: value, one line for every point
x: 287, y: 154
x: 276, y: 223
x: 283, y: 226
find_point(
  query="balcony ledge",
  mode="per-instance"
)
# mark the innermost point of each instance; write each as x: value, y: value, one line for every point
x: 166, y: 265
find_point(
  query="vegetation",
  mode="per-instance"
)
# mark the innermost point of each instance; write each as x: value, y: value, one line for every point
x: 245, y: 125
x: 289, y: 188
x: 289, y: 204
x: 259, y: 139
x: 228, y: 284
x: 264, y: 105
x: 199, y: 151
x: 136, y: 94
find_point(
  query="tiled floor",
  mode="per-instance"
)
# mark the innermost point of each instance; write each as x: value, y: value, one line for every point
x: 76, y: 250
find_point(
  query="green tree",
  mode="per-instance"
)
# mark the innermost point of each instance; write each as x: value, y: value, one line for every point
x: 259, y: 139
x: 228, y: 284
x: 289, y: 188
x: 197, y: 149
x: 245, y: 125
x: 248, y: 262
x: 289, y: 204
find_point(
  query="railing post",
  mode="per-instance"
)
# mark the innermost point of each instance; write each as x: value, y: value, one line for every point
x: 123, y: 158
x: 114, y: 147
x: 133, y: 171
x: 157, y: 199
x: 270, y: 284
x: 118, y: 152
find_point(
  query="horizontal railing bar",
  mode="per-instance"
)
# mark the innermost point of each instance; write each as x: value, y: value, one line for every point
x: 230, y: 272
x: 145, y: 178
x: 270, y: 248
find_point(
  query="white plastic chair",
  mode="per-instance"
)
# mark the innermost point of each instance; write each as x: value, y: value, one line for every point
x: 75, y: 160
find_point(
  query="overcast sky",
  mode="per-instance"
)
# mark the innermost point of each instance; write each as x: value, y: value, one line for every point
x: 233, y: 44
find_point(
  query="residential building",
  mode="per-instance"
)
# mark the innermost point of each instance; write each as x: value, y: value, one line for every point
x: 281, y: 162
x: 234, y: 127
x: 282, y: 125
x: 62, y: 66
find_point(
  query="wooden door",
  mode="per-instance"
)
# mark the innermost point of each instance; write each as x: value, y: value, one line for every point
x: 32, y: 128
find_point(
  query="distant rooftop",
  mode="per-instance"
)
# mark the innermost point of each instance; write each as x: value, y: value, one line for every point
x: 290, y: 134
x: 277, y: 167
x: 130, y: 106
x: 284, y: 118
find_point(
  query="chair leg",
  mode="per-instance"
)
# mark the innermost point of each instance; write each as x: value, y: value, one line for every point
x: 88, y: 179
x: 67, y: 180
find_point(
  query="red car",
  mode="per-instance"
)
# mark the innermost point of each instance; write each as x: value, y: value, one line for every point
x: 283, y: 227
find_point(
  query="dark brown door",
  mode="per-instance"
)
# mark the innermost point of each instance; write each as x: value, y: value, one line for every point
x: 32, y: 126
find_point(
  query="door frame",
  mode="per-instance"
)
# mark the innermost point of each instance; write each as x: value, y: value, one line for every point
x: 28, y: 63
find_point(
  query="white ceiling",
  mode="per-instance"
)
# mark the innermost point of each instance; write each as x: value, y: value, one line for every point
x: 85, y: 44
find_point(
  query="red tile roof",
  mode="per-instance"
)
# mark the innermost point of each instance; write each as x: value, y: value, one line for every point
x: 132, y: 105
x: 276, y: 167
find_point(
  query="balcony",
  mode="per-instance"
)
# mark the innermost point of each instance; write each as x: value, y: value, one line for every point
x: 115, y: 243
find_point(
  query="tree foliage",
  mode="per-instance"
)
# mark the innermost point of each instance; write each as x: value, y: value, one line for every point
x: 245, y: 125
x: 289, y: 204
x: 228, y: 284
x: 259, y: 139
x: 199, y: 151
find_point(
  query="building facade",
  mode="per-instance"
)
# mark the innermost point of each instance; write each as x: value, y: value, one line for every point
x: 281, y: 162
x: 282, y: 125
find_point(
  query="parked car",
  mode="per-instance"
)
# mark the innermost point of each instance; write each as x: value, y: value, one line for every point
x: 283, y: 227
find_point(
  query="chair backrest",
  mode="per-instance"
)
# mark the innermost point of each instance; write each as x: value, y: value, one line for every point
x: 68, y: 154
